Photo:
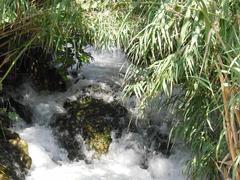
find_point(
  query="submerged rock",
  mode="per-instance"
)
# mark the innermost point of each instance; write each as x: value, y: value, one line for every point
x: 36, y: 65
x: 158, y: 141
x: 48, y: 78
x: 93, y: 120
x: 4, y: 119
x: 14, y: 158
x: 24, y: 111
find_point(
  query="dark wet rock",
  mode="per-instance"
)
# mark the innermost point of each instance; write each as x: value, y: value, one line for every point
x: 93, y: 120
x: 37, y: 64
x: 5, y: 103
x: 73, y: 73
x: 4, y: 119
x: 24, y: 111
x: 158, y: 141
x: 45, y: 78
x: 10, y: 105
x: 14, y: 158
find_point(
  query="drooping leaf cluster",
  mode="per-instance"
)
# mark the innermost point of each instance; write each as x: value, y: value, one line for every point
x: 169, y: 43
x: 46, y: 24
x: 191, y: 44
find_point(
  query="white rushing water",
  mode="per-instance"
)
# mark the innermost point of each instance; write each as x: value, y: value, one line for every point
x: 126, y: 155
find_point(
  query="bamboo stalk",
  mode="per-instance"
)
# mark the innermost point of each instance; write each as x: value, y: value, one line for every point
x: 225, y: 94
x: 237, y: 113
x: 234, y: 130
x: 231, y: 135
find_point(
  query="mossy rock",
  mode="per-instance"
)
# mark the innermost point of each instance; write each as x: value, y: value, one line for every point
x: 3, y: 173
x: 94, y: 120
x: 22, y: 146
x: 100, y: 142
x: 14, y: 158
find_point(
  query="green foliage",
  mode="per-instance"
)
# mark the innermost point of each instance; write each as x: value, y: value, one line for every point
x: 169, y: 43
x: 179, y: 43
x: 12, y: 116
x: 48, y: 24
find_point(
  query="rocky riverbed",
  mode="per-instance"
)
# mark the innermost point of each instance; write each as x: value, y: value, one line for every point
x: 86, y: 132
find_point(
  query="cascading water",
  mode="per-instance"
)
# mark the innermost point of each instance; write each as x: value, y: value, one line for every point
x: 127, y: 158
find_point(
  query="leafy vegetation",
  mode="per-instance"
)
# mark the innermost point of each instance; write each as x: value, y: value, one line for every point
x: 49, y: 25
x: 189, y: 44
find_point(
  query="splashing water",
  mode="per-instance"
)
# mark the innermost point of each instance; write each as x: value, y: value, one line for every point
x: 127, y: 158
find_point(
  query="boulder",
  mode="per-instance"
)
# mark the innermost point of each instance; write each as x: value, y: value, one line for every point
x: 158, y: 141
x: 14, y: 158
x: 37, y: 65
x: 24, y: 111
x: 93, y: 120
x: 48, y: 78
x: 4, y: 119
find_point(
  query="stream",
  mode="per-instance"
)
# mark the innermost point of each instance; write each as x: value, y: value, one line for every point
x: 126, y: 155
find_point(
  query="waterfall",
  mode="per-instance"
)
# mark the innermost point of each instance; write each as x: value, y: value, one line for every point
x: 127, y: 157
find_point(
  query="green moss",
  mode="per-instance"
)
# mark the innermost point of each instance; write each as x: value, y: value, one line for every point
x: 14, y: 158
x: 98, y: 138
x: 94, y: 119
x: 100, y: 142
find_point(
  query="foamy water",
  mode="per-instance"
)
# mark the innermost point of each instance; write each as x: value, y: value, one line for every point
x: 127, y: 159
